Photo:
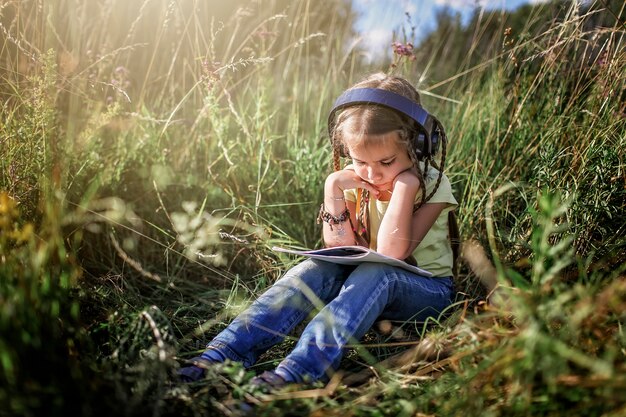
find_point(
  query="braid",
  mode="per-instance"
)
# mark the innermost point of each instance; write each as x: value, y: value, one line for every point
x: 444, y: 147
x: 362, y: 220
x: 444, y: 142
x: 336, y: 155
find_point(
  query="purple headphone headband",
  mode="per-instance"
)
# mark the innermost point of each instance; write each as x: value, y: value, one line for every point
x: 426, y: 141
x: 384, y: 98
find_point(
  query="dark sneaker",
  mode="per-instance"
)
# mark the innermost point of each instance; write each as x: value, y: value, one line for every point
x: 268, y: 380
x: 194, y: 369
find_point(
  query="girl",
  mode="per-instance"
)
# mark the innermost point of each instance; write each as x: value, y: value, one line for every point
x: 390, y: 198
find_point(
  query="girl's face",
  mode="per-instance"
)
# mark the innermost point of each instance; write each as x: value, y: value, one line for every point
x: 379, y: 159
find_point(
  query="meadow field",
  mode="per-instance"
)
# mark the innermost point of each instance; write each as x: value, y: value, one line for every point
x: 153, y: 151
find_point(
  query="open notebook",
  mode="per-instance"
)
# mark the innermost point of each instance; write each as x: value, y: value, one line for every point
x: 352, y: 255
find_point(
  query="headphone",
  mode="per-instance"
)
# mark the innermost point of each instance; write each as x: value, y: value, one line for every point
x: 425, y: 142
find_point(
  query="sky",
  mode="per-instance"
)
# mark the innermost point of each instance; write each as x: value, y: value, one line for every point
x: 379, y: 18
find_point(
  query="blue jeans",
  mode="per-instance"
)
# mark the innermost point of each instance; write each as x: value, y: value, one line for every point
x: 344, y: 302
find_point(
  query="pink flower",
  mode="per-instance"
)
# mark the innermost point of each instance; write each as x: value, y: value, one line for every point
x: 402, y: 49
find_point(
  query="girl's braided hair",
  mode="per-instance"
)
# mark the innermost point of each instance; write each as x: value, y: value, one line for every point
x: 371, y: 119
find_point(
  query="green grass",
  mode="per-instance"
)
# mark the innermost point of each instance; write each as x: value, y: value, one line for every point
x: 152, y: 156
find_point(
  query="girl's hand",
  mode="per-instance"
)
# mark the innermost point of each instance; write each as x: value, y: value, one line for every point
x: 346, y: 179
x: 408, y: 178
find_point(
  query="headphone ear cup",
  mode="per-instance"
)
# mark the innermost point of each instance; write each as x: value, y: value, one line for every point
x: 425, y: 145
x: 419, y: 142
x: 434, y: 141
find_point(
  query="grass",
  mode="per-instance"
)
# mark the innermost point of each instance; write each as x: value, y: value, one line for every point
x: 147, y: 169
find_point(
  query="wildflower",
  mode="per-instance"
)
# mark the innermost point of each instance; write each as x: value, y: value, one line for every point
x: 402, y: 49
x: 121, y: 71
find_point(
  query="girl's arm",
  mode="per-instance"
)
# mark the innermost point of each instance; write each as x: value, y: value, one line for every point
x: 334, y: 204
x: 401, y: 230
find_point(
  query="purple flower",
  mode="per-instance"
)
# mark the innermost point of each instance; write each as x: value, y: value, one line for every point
x: 403, y: 49
x: 121, y: 70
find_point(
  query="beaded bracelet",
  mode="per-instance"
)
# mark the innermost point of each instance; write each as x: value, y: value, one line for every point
x: 330, y: 219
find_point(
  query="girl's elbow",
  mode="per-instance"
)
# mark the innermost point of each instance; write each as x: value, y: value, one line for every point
x: 395, y: 251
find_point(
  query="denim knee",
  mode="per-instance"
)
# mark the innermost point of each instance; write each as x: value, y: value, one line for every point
x: 316, y: 281
x: 404, y: 294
